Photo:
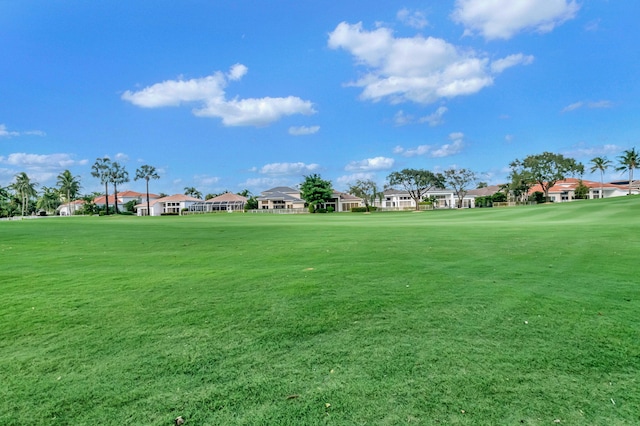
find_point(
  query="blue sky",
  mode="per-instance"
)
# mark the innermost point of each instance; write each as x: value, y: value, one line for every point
x: 228, y: 95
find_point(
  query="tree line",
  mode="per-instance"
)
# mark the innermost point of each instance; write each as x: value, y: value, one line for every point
x: 22, y: 198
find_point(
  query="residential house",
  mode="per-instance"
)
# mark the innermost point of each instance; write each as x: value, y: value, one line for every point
x: 172, y: 204
x: 395, y: 199
x: 283, y: 197
x: 123, y: 198
x: 69, y: 209
x: 225, y: 202
x: 564, y: 190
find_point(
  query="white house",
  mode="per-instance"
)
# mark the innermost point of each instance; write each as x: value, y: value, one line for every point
x: 395, y: 199
x: 123, y: 198
x: 69, y: 209
x: 172, y: 204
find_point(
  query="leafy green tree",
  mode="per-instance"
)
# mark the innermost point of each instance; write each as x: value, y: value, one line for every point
x: 69, y: 185
x: 24, y: 189
x: 459, y: 180
x: 521, y: 183
x: 601, y: 164
x: 481, y: 185
x: 49, y: 200
x: 628, y: 163
x: 367, y: 190
x: 546, y: 169
x: 192, y: 191
x: 315, y: 191
x: 147, y: 173
x: 251, y: 204
x: 101, y: 169
x: 582, y: 191
x: 416, y: 182
x: 245, y: 193
x: 117, y: 176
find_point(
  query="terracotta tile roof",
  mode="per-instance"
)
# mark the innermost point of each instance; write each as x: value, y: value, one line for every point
x: 571, y: 184
x: 227, y: 196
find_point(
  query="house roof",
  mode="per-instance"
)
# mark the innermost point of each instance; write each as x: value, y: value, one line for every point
x: 281, y: 189
x: 175, y: 198
x: 227, y: 197
x: 483, y: 192
x: 570, y: 184
x: 345, y: 196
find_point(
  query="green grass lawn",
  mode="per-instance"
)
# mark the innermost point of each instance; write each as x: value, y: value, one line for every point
x: 487, y: 316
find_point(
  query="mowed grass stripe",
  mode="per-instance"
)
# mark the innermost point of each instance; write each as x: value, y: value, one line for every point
x: 479, y: 316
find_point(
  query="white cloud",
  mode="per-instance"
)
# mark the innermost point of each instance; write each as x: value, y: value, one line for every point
x: 449, y: 149
x: 303, y: 130
x: 436, y: 118
x: 42, y: 168
x: 512, y: 60
x: 502, y: 19
x: 588, y: 104
x: 6, y: 133
x: 412, y: 152
x: 209, y: 93
x: 370, y: 164
x: 256, y: 185
x: 415, y: 19
x: 347, y: 180
x: 446, y: 150
x: 581, y: 150
x: 288, y: 168
x: 205, y: 180
x: 417, y: 69
x: 122, y: 157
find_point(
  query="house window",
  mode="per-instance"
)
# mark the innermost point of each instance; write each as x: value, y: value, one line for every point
x: 564, y: 196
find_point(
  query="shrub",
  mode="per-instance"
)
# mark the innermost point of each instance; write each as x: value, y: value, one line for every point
x: 330, y: 209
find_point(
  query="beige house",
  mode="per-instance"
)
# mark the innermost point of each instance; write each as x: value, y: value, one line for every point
x: 286, y: 198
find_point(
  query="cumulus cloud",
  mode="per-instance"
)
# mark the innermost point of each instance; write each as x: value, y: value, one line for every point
x: 40, y: 167
x: 414, y: 19
x: 205, y: 180
x: 502, y: 19
x: 581, y: 150
x: 455, y: 146
x: 434, y: 119
x: 303, y: 130
x: 6, y: 133
x: 417, y: 69
x: 209, y: 93
x: 370, y: 164
x: 347, y: 180
x: 288, y: 168
x: 588, y: 104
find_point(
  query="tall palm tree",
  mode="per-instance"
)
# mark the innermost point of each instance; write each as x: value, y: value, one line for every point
x: 192, y: 191
x: 100, y: 170
x: 69, y: 185
x: 117, y: 176
x: 25, y: 189
x: 628, y: 162
x: 49, y: 200
x: 147, y: 172
x: 602, y: 164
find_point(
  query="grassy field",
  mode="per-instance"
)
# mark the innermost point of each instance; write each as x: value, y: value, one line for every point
x: 510, y: 316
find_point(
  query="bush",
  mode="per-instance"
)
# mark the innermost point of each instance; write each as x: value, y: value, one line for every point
x: 330, y: 209
x: 169, y: 214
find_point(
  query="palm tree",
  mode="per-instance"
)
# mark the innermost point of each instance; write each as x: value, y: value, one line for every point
x: 192, y: 191
x: 117, y: 176
x: 100, y: 170
x: 49, y: 200
x: 147, y: 172
x: 628, y: 162
x: 69, y: 185
x: 602, y: 164
x: 24, y: 189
